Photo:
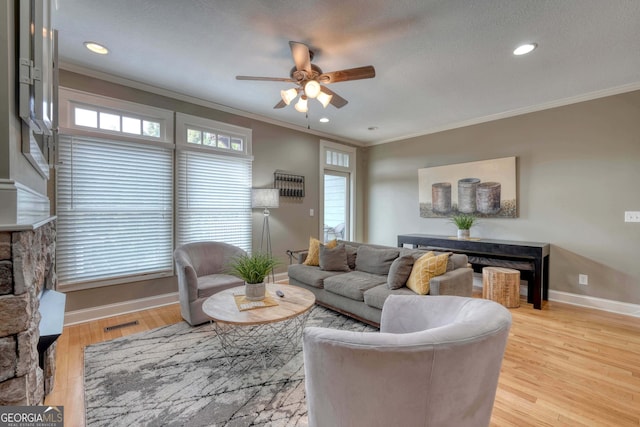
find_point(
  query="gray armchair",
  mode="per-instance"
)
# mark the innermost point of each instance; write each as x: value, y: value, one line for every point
x: 201, y: 268
x: 435, y: 362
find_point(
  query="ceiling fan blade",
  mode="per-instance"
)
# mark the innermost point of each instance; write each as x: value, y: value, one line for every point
x: 301, y: 57
x: 266, y: 79
x: 280, y: 104
x: 365, y: 72
x: 337, y: 101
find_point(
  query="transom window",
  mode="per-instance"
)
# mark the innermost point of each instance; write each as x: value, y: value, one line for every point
x: 97, y: 116
x: 337, y: 158
x: 214, y: 139
x: 114, y: 122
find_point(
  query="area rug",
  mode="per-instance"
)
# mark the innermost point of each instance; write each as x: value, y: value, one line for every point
x: 177, y: 376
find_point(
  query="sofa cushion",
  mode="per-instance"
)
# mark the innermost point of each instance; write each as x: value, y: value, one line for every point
x: 310, y: 275
x: 375, y: 297
x: 375, y: 261
x: 313, y: 257
x: 353, y: 285
x: 399, y: 271
x: 426, y: 267
x: 333, y: 259
x: 214, y: 283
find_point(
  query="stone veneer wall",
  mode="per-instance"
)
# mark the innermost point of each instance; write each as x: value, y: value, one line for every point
x: 27, y: 260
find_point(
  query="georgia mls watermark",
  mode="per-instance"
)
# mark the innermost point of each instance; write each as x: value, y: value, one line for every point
x: 31, y: 416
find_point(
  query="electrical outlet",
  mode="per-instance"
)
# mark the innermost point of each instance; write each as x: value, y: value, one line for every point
x: 583, y: 279
x: 632, y: 216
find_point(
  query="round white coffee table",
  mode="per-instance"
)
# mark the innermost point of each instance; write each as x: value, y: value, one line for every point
x: 264, y: 334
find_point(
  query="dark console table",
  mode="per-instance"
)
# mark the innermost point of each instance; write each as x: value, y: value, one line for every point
x: 520, y: 253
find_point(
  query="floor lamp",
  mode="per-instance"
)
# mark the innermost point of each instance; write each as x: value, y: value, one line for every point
x: 265, y: 198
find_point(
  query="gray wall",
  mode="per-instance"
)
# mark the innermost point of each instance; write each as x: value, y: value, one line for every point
x: 274, y: 147
x: 578, y: 170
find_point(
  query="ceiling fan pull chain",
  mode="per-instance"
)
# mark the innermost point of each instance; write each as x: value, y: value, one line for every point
x: 307, y: 117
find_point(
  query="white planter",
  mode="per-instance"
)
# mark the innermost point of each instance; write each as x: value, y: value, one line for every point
x: 254, y: 291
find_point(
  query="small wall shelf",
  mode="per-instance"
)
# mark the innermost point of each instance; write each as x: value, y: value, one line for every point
x: 289, y: 184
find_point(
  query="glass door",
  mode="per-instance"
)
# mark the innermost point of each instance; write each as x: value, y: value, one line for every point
x: 336, y: 205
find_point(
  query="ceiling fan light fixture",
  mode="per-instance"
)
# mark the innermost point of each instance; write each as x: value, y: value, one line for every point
x: 324, y: 99
x: 312, y: 88
x: 289, y: 95
x: 301, y: 105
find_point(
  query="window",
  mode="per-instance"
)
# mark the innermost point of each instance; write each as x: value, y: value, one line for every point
x: 87, y: 114
x: 114, y: 192
x: 337, y: 181
x: 214, y: 182
x: 214, y: 139
x: 114, y: 207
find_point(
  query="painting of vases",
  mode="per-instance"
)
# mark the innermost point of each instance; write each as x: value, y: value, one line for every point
x: 484, y: 188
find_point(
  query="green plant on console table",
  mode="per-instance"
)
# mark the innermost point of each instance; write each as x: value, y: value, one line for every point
x: 464, y: 221
x: 253, y: 268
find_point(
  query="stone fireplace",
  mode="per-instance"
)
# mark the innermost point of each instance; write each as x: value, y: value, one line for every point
x: 27, y: 260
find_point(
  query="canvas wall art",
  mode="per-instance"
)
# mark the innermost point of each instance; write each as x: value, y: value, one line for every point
x: 486, y: 189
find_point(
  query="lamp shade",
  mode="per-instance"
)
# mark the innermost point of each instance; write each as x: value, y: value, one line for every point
x: 288, y: 95
x: 312, y: 88
x: 301, y: 105
x: 324, y: 99
x: 265, y: 198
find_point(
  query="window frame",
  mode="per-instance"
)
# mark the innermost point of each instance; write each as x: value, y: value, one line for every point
x: 326, y: 146
x: 184, y: 122
x: 69, y: 99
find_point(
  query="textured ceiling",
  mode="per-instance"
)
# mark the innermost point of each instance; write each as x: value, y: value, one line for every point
x: 440, y: 64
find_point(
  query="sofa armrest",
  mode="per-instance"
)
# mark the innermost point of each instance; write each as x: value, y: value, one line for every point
x: 300, y: 256
x: 456, y: 282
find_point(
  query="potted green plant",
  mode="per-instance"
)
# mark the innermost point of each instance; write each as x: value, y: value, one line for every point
x: 253, y: 269
x: 464, y: 222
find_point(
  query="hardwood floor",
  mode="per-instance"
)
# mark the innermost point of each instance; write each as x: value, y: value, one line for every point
x: 564, y: 366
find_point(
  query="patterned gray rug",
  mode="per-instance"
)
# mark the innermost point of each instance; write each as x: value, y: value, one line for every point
x: 177, y: 376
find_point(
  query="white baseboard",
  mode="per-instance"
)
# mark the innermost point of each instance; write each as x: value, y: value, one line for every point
x: 109, y: 310
x: 597, y: 303
x: 103, y: 311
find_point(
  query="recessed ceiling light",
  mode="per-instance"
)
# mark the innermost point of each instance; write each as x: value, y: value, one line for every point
x: 525, y: 48
x: 324, y: 120
x: 96, y: 48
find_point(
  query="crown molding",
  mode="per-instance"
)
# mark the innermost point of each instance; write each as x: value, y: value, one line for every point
x: 519, y: 111
x: 199, y: 101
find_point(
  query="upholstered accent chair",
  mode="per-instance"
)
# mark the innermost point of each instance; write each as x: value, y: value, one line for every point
x: 434, y: 363
x: 202, y: 271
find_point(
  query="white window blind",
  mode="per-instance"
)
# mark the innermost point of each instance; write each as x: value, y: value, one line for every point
x: 114, y: 207
x: 214, y: 198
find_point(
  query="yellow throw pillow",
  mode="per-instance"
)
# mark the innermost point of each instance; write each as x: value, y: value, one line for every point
x: 424, y: 269
x: 313, y: 257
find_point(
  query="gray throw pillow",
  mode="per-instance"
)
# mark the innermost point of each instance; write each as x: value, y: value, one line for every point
x: 400, y: 271
x: 374, y: 260
x: 333, y: 259
x: 352, y: 252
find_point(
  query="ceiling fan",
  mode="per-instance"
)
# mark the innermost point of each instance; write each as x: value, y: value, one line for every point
x: 310, y: 80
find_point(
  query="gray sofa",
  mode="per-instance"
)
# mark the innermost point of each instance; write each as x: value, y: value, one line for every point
x: 361, y: 291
